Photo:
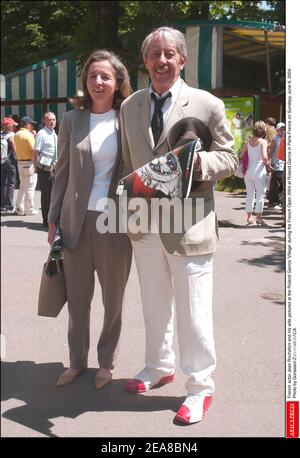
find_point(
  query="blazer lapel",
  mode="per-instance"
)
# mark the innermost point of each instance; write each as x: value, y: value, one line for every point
x: 117, y: 167
x: 84, y: 131
x: 176, y: 114
x: 144, y: 119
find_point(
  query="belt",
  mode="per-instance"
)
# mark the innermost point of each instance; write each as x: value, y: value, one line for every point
x: 24, y: 160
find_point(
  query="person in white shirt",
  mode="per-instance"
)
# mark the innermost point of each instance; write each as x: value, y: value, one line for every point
x: 44, y: 159
x: 86, y: 175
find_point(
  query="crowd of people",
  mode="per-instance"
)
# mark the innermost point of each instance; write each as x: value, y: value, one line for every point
x: 27, y: 155
x: 110, y: 133
x: 264, y: 163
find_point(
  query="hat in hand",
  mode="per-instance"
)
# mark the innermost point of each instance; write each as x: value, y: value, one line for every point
x: 187, y: 130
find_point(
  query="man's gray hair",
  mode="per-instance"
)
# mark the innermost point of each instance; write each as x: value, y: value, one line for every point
x: 166, y: 34
x: 49, y: 113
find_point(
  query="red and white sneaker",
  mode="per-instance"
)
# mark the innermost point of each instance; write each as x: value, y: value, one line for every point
x: 144, y: 382
x: 193, y: 408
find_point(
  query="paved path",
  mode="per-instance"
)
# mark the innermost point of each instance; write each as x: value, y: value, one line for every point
x: 249, y: 335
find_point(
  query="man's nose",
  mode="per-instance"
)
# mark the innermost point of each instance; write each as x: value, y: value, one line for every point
x: 98, y: 79
x: 162, y: 57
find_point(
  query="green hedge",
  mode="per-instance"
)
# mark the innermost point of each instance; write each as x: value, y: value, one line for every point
x: 230, y: 184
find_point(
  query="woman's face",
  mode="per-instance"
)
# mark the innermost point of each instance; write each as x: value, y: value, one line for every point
x: 101, y: 85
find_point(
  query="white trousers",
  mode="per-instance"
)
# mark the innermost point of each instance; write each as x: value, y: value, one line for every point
x: 187, y: 279
x: 255, y: 181
x: 27, y: 187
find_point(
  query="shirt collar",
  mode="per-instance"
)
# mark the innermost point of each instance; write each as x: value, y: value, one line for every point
x: 173, y: 89
x: 49, y: 131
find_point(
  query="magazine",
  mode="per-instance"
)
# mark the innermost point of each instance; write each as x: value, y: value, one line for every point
x: 170, y: 175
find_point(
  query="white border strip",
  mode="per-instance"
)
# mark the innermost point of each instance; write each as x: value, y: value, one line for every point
x: 214, y: 54
x: 191, y: 69
x: 293, y: 215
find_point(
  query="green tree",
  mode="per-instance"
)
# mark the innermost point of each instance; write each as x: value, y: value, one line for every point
x: 35, y: 30
x: 276, y: 13
x: 32, y: 31
x: 98, y: 29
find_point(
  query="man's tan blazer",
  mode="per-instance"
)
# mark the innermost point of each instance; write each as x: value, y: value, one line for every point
x: 217, y: 163
x: 75, y: 175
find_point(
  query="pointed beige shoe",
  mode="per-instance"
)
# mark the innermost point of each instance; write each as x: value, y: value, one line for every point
x: 69, y: 376
x: 102, y: 380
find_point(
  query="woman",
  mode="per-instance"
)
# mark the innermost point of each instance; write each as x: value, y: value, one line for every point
x: 256, y: 174
x: 87, y: 173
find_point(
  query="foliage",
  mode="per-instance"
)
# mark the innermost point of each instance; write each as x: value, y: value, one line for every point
x: 231, y: 184
x: 276, y: 12
x: 32, y: 31
x: 35, y: 30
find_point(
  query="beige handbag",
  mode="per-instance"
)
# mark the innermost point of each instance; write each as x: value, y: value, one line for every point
x: 52, y: 294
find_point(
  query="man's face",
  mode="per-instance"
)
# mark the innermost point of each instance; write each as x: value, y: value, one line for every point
x: 50, y: 121
x: 281, y: 131
x: 164, y: 64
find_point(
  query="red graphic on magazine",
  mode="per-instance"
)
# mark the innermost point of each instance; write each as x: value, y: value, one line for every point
x: 170, y: 175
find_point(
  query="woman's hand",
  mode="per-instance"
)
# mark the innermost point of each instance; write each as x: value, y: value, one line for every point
x: 51, y: 233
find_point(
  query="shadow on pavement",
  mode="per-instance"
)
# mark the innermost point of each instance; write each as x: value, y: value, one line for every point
x: 276, y: 217
x: 239, y: 208
x: 276, y: 227
x: 279, y: 302
x: 28, y: 225
x: 275, y: 259
x: 35, y: 384
x: 239, y: 194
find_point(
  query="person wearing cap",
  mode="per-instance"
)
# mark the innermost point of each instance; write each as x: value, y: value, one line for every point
x: 8, y: 164
x: 277, y: 167
x: 177, y: 265
x: 44, y: 159
x: 24, y: 141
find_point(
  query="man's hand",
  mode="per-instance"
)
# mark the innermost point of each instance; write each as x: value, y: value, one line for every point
x: 197, y: 162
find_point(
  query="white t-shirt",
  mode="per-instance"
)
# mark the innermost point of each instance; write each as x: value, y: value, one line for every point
x: 104, y: 147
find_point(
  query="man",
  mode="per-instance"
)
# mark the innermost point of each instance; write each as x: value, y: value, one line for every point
x: 277, y: 167
x: 177, y: 266
x: 24, y: 141
x: 44, y: 158
x: 8, y: 165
